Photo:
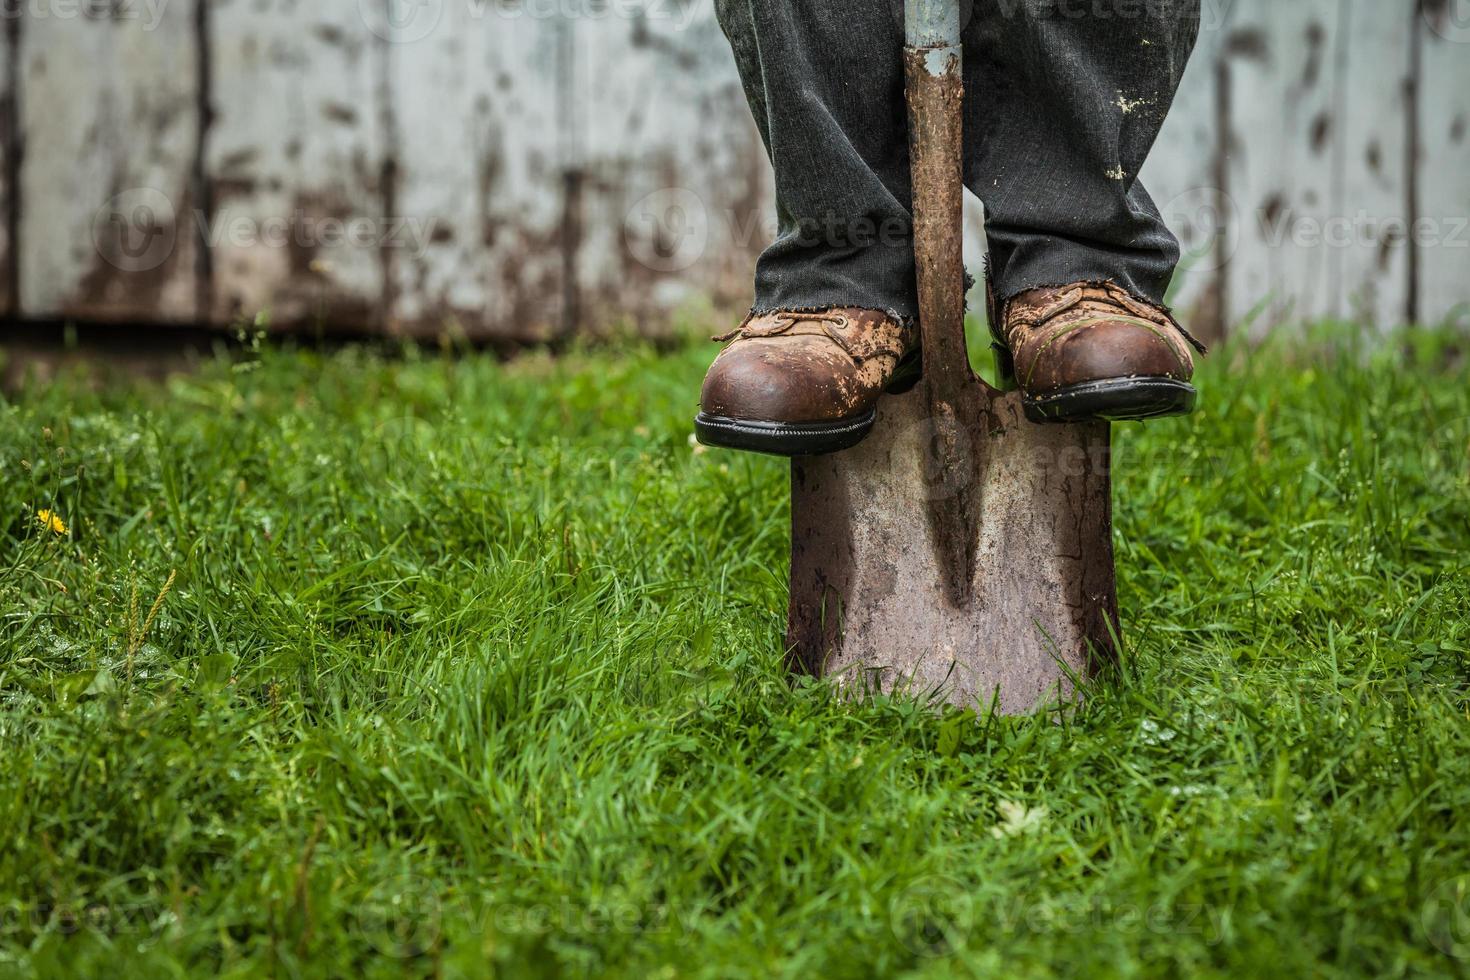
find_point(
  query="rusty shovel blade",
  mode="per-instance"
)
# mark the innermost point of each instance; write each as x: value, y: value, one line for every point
x: 869, y: 603
x: 960, y: 552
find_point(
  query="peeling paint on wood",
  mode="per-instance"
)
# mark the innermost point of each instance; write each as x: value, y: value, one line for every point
x: 1443, y: 191
x: 109, y: 121
x: 481, y: 149
x: 1182, y: 177
x: 678, y: 187
x: 294, y: 163
x: 476, y: 168
x: 576, y: 172
x: 1368, y: 278
x: 10, y: 151
x: 1281, y: 166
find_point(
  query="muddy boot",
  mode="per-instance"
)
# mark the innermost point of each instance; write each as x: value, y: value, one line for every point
x: 1092, y: 351
x: 804, y: 383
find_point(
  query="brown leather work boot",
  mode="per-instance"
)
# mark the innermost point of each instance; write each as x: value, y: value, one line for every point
x: 804, y: 383
x: 1092, y: 351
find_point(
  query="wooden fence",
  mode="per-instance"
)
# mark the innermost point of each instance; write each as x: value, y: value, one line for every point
x: 521, y: 169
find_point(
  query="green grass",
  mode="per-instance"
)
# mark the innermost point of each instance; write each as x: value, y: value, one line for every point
x: 470, y: 668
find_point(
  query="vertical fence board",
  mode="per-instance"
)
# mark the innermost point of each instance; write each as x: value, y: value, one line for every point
x: 1443, y: 273
x: 1366, y: 247
x: 295, y: 159
x: 482, y: 160
x: 514, y: 172
x: 1182, y: 176
x: 1317, y: 163
x: 110, y: 120
x: 10, y: 150
x: 676, y: 188
x: 1283, y: 76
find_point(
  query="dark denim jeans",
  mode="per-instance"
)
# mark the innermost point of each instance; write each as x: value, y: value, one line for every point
x: 1063, y: 101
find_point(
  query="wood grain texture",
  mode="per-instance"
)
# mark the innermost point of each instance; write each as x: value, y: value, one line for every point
x: 1280, y: 165
x: 110, y: 122
x: 483, y: 147
x: 295, y: 160
x: 1368, y: 277
x: 1319, y: 184
x: 1183, y: 177
x: 577, y: 171
x: 677, y: 194
x: 10, y: 158
x: 1443, y: 187
x: 473, y: 167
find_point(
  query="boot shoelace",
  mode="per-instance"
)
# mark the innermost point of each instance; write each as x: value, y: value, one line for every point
x: 1112, y: 294
x: 832, y: 324
x: 860, y: 345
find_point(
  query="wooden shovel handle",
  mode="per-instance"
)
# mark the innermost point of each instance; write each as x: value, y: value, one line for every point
x: 933, y: 59
x: 958, y: 401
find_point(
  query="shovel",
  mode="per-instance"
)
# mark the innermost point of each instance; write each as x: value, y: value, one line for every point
x: 960, y: 553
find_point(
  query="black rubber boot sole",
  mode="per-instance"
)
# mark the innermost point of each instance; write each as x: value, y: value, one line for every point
x: 782, y: 438
x: 1113, y: 400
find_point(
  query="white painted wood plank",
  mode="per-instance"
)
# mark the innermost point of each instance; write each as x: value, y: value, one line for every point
x: 1368, y: 256
x: 1317, y: 165
x: 481, y: 152
x: 109, y: 119
x: 1180, y: 175
x: 295, y: 161
x: 1444, y: 170
x: 678, y: 194
x: 514, y: 175
x: 1283, y: 77
x: 9, y: 31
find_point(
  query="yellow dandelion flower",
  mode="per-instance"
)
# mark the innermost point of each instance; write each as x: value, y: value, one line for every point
x: 52, y: 521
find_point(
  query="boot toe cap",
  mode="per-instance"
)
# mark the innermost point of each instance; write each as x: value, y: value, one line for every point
x: 1108, y: 349
x: 763, y: 383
